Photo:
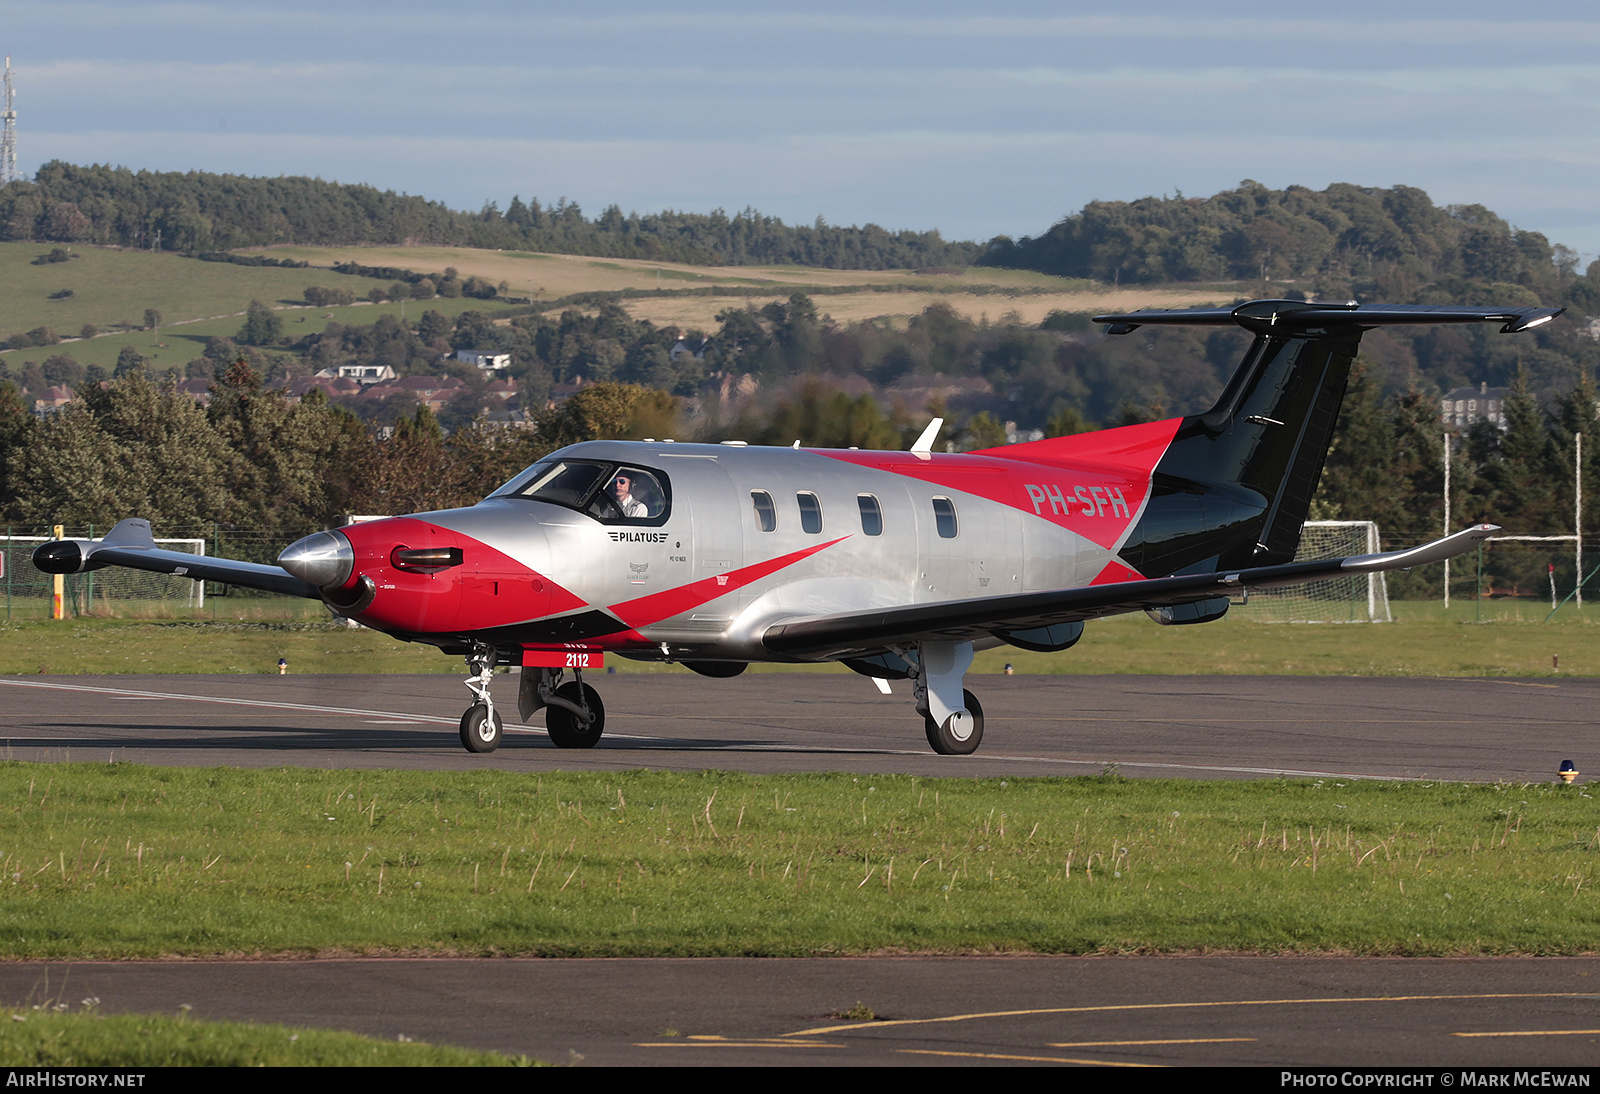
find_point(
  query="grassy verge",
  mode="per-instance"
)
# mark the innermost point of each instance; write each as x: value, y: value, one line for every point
x: 202, y: 646
x: 105, y: 861
x: 249, y: 635
x: 46, y: 1036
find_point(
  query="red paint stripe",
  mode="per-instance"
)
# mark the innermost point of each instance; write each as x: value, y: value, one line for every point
x: 670, y: 602
x: 1092, y: 484
x: 1114, y: 572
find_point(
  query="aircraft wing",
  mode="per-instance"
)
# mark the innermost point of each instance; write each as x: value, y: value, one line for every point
x: 131, y: 544
x: 966, y: 620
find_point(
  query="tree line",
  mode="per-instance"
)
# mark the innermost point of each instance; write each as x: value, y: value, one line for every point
x: 1345, y: 242
x: 199, y: 213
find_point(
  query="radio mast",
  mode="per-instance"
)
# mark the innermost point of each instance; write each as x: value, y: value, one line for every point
x: 8, y: 141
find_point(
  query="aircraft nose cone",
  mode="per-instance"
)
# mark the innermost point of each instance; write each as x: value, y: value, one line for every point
x: 324, y: 559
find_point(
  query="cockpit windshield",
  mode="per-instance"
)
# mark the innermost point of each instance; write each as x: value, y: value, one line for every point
x: 609, y: 492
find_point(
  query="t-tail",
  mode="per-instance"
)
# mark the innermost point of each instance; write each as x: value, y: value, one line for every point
x: 1235, y: 484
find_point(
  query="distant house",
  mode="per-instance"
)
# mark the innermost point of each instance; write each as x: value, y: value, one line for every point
x: 54, y: 398
x: 689, y: 347
x: 332, y: 386
x: 487, y: 359
x: 196, y: 389
x: 1466, y: 405
x: 361, y: 374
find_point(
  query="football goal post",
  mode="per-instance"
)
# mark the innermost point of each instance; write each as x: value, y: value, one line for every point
x: 114, y: 589
x: 1358, y: 598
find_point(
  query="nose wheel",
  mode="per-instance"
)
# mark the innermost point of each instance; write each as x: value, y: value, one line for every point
x: 481, y: 726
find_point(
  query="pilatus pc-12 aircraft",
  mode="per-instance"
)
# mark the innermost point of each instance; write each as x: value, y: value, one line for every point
x: 898, y: 564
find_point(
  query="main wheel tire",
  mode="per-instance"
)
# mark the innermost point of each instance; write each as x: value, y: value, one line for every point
x: 481, y: 729
x: 945, y: 739
x: 566, y: 729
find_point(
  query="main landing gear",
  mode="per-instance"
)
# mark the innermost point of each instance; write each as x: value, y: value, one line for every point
x: 574, y: 715
x: 950, y: 713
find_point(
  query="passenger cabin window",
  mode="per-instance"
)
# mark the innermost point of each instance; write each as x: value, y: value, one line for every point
x: 871, y: 515
x: 611, y: 493
x: 944, y: 517
x: 766, y: 512
x: 810, y: 513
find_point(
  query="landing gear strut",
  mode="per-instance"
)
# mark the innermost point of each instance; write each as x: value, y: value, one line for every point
x: 481, y: 725
x: 951, y: 714
x: 574, y: 715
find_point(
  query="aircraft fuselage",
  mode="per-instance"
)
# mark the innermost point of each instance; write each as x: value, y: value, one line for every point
x: 740, y: 538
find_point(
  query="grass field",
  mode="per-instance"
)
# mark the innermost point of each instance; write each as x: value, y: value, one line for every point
x: 248, y: 635
x: 197, y: 301
x: 63, y: 1035
x: 121, y: 860
x: 116, y: 286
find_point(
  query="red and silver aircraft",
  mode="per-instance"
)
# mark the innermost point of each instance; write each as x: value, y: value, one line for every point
x: 898, y: 564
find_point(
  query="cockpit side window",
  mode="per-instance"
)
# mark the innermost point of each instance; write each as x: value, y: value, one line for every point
x: 636, y: 494
x: 560, y: 482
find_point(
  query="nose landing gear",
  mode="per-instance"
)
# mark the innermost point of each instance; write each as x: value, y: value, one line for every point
x: 481, y: 725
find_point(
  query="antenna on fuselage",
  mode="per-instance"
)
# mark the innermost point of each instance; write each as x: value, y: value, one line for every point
x: 924, y: 444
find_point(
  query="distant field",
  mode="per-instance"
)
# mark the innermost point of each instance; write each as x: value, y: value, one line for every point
x: 197, y: 301
x: 114, y: 286
x: 553, y: 275
x: 700, y: 312
x: 973, y: 291
x: 180, y: 343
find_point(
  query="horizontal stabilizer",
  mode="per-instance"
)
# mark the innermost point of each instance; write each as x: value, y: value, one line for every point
x: 1289, y: 317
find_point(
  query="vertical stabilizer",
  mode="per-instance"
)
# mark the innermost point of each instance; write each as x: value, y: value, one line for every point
x: 1235, y: 485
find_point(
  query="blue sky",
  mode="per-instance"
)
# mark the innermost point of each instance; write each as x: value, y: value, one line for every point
x: 926, y: 115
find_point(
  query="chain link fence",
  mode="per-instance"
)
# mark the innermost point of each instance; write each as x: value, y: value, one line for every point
x: 1536, y: 572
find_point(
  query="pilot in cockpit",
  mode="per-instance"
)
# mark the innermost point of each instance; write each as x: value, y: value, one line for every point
x: 622, y: 490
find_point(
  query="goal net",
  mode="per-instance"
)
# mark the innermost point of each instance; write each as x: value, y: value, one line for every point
x: 114, y: 590
x: 1359, y: 598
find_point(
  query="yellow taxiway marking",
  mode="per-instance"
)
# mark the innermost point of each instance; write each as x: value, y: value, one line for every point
x: 1027, y: 1059
x: 1531, y: 1033
x: 711, y: 1040
x: 1176, y: 1041
x: 880, y: 1024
